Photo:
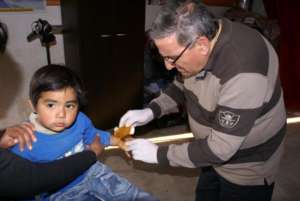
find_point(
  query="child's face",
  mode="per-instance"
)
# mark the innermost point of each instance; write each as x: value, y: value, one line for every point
x: 57, y: 110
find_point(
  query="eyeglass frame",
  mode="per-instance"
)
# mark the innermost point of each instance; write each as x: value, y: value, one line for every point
x: 173, y: 62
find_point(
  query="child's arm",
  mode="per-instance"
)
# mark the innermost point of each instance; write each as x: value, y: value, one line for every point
x: 114, y: 141
x: 96, y: 146
x: 120, y: 136
x: 106, y: 139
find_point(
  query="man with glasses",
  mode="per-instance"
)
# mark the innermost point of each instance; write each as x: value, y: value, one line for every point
x: 230, y: 88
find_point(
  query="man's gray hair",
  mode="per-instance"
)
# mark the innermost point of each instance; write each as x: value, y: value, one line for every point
x: 188, y: 19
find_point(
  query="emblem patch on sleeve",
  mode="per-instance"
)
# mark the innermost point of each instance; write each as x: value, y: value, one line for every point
x: 228, y: 119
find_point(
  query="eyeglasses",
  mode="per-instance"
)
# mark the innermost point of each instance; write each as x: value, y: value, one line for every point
x: 174, y: 60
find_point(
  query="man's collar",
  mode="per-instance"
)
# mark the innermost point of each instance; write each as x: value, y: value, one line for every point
x: 215, y: 39
x: 220, y: 42
x: 201, y: 75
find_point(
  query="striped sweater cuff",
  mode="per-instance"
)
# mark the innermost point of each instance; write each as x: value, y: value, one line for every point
x: 155, y: 109
x: 162, y: 155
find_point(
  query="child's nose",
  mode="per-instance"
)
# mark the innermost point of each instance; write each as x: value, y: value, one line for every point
x: 61, y: 113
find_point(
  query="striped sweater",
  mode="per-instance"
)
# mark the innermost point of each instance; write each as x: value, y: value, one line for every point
x: 235, y: 110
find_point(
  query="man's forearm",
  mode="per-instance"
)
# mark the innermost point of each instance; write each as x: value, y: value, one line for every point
x: 21, y: 178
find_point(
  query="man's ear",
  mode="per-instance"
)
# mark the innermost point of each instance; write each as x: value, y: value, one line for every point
x: 203, y: 45
x: 31, y: 106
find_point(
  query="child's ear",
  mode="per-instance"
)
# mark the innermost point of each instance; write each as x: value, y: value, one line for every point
x: 31, y: 106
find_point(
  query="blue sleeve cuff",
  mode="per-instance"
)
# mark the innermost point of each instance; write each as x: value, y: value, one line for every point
x: 104, y: 137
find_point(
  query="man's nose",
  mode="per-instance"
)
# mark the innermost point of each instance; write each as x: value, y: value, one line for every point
x: 169, y: 65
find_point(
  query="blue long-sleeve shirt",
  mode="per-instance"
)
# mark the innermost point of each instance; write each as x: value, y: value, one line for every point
x: 70, y: 141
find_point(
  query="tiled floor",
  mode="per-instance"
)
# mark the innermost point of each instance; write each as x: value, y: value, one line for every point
x: 177, y: 184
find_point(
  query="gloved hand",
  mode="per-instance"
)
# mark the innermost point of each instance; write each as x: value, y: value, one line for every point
x: 143, y: 150
x: 136, y: 117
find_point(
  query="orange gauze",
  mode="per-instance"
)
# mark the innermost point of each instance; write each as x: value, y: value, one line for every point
x: 122, y: 132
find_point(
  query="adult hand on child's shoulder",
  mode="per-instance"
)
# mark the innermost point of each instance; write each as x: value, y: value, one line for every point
x: 22, y: 133
x: 96, y: 146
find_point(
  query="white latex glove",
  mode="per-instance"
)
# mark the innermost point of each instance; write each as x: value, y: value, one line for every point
x: 143, y: 150
x: 136, y: 117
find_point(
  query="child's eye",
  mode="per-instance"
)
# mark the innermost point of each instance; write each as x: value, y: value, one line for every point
x: 71, y: 106
x: 50, y: 105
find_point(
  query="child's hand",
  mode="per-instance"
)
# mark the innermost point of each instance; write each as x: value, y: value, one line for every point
x: 117, y: 142
x: 114, y: 141
x: 120, y: 143
x: 96, y: 146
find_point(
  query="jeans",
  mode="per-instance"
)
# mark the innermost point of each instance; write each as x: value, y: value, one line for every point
x: 213, y: 187
x: 101, y: 184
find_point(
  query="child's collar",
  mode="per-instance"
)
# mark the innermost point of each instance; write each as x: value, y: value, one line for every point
x: 37, y: 126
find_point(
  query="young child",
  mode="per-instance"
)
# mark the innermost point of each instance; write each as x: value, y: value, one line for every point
x: 56, y: 95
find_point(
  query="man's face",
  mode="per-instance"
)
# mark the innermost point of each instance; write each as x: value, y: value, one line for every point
x: 193, y: 57
x: 57, y: 110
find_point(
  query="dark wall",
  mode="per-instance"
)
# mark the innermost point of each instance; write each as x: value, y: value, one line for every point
x: 104, y: 43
